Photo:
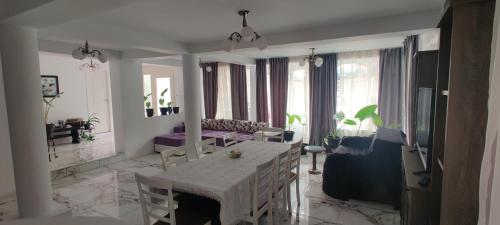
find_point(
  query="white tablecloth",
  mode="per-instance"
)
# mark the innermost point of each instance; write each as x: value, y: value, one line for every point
x: 226, y: 180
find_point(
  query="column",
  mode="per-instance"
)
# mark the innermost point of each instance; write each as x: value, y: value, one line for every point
x: 192, y: 101
x: 23, y: 92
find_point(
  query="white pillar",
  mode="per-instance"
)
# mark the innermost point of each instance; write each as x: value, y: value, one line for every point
x: 192, y: 101
x: 21, y: 71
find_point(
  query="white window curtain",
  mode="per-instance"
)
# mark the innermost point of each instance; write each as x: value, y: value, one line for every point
x: 298, y: 96
x: 357, y: 86
x: 224, y: 93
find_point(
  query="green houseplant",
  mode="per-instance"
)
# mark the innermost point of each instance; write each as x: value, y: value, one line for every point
x: 169, y: 108
x: 175, y: 108
x: 288, y: 133
x: 149, y: 111
x: 163, y: 109
x: 92, y: 120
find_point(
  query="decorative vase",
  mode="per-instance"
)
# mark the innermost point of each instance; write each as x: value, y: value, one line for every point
x: 176, y: 109
x: 163, y: 111
x: 150, y: 112
x: 288, y: 135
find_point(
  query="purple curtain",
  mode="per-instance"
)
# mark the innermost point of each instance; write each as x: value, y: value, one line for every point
x: 210, y: 89
x: 261, y: 73
x: 239, y: 92
x: 322, y: 91
x: 279, y: 90
x: 389, y: 91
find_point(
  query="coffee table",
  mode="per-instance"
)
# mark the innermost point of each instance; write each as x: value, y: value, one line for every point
x: 314, y: 149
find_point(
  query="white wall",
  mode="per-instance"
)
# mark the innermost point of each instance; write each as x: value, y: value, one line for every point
x: 429, y: 40
x: 139, y: 130
x: 7, y: 184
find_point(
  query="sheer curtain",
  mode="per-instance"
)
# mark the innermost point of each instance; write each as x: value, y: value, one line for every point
x: 224, y: 92
x: 357, y: 86
x: 298, y: 96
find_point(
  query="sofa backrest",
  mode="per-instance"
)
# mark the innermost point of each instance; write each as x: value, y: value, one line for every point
x: 241, y: 126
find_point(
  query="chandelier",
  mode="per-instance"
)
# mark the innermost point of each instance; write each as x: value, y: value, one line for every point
x: 313, y: 58
x: 246, y: 34
x: 85, y: 52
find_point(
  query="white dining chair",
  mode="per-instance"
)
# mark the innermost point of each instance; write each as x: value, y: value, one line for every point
x: 262, y: 193
x: 167, y: 211
x: 295, y: 152
x: 281, y: 183
x: 167, y: 156
x: 230, y: 139
x: 206, y: 146
x: 271, y: 134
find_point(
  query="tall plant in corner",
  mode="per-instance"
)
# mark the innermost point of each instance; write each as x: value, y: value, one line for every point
x: 368, y: 112
x: 163, y: 109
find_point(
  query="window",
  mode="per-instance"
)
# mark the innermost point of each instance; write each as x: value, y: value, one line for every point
x: 298, y: 96
x: 156, y: 79
x: 357, y: 85
x: 224, y: 92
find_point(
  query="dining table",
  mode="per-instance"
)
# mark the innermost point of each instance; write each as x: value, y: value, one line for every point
x: 221, y: 178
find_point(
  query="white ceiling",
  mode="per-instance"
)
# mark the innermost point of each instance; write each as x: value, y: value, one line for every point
x: 191, y: 21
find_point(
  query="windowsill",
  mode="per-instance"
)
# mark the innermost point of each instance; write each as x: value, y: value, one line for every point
x: 165, y: 116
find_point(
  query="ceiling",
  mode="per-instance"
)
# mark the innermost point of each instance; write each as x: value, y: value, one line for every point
x: 191, y: 21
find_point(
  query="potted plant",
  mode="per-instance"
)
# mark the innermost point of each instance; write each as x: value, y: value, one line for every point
x: 175, y: 108
x: 92, y: 120
x: 163, y: 109
x: 169, y: 108
x: 333, y: 139
x: 149, y: 111
x: 291, y: 118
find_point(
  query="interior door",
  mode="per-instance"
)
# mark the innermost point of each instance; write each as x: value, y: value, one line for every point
x: 98, y: 98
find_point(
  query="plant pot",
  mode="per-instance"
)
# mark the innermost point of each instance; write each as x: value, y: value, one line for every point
x: 49, y: 128
x: 86, y: 126
x: 176, y: 109
x: 288, y: 135
x: 169, y: 110
x: 163, y: 111
x: 333, y: 142
x: 150, y: 112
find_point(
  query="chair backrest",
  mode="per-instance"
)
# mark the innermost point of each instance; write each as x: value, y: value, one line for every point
x: 206, y: 146
x: 263, y: 187
x: 282, y: 170
x: 230, y: 139
x: 272, y: 134
x: 149, y: 200
x: 295, y: 151
x: 168, y: 155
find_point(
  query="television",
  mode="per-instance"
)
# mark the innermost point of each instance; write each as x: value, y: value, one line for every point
x: 425, y: 125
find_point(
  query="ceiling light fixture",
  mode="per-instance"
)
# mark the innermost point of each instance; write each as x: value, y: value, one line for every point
x: 313, y: 58
x: 85, y: 52
x: 247, y: 34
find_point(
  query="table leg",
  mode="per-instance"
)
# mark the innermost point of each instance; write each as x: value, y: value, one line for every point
x: 314, y: 170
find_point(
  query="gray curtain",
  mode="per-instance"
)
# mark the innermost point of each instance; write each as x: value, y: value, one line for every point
x: 238, y: 92
x: 390, y: 98
x: 210, y: 89
x: 410, y: 48
x: 261, y: 73
x: 279, y: 90
x: 322, y: 91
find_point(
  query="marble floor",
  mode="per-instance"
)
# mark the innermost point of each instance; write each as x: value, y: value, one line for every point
x: 111, y: 191
x: 86, y: 151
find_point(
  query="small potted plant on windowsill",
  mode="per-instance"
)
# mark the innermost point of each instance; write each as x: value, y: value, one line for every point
x: 163, y: 109
x: 288, y: 134
x: 169, y: 108
x: 149, y: 111
x: 175, y: 108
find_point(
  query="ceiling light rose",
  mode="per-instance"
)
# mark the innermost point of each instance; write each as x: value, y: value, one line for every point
x: 84, y: 52
x: 247, y: 33
x: 313, y: 58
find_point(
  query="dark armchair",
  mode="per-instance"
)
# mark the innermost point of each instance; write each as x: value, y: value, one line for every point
x: 367, y: 168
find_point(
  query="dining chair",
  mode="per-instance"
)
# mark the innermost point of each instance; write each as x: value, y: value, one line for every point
x: 230, y: 139
x: 262, y: 193
x: 206, y: 146
x: 168, y: 155
x: 273, y: 134
x: 281, y: 185
x: 165, y: 212
x: 295, y: 151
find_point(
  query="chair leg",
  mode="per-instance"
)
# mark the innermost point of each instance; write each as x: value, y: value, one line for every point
x: 289, y: 200
x: 297, y: 191
x: 48, y: 150
x: 54, y: 148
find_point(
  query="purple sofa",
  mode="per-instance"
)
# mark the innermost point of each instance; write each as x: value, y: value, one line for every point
x: 213, y: 128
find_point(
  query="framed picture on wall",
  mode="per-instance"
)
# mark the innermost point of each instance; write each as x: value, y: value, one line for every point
x: 50, y: 86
